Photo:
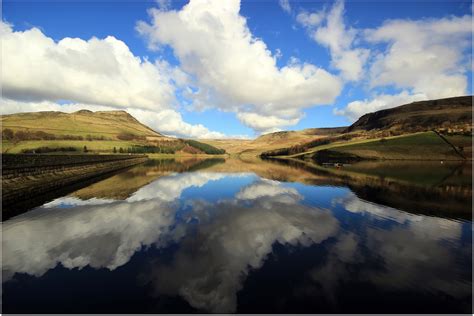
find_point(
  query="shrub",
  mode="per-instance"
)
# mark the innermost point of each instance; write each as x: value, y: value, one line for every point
x: 304, y: 147
x: 8, y: 134
x: 126, y: 136
x: 43, y: 150
x: 206, y: 148
x: 21, y: 135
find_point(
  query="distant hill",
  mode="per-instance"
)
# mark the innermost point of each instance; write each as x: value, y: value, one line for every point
x: 303, y: 134
x: 111, y: 125
x: 101, y: 131
x: 272, y: 140
x: 451, y: 117
x: 419, y: 116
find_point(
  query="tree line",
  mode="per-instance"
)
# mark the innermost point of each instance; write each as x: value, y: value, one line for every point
x: 21, y: 135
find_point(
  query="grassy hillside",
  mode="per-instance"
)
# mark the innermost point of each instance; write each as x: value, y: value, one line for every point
x: 447, y: 113
x: 110, y: 125
x: 451, y: 118
x: 272, y: 141
x: 419, y: 146
x: 86, y: 131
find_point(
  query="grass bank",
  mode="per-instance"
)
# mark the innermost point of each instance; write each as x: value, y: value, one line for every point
x: 417, y: 146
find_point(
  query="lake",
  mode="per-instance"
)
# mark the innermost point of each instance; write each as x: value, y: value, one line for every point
x: 225, y: 236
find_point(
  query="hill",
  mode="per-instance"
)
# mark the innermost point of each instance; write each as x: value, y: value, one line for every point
x: 111, y: 125
x: 449, y: 113
x: 450, y: 119
x: 101, y: 131
x: 272, y: 141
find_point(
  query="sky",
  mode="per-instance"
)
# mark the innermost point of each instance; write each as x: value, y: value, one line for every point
x: 230, y: 68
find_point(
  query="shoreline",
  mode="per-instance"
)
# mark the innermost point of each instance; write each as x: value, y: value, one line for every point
x: 29, y: 178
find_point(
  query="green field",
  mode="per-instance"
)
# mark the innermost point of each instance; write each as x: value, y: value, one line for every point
x: 424, y: 173
x: 420, y: 146
x: 100, y: 132
x: 94, y: 146
x: 107, y: 124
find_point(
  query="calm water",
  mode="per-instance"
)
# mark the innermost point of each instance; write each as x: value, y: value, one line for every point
x: 235, y: 236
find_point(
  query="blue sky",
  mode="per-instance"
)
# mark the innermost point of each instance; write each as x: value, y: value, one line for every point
x: 369, y: 53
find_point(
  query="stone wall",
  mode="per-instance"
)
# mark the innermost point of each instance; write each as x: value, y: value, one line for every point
x: 30, y: 176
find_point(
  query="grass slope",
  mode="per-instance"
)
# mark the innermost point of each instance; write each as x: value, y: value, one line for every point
x: 109, y: 124
x: 419, y: 146
x: 418, y: 116
x: 272, y: 141
x: 100, y: 131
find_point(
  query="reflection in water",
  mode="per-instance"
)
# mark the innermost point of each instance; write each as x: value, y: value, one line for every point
x: 235, y: 236
x: 419, y: 187
x: 236, y: 242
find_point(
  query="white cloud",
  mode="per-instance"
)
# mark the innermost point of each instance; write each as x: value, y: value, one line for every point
x: 426, y: 56
x: 425, y: 59
x: 338, y: 38
x: 98, y: 74
x: 310, y: 19
x: 170, y: 122
x: 356, y: 109
x: 167, y: 121
x: 97, y: 71
x: 233, y: 70
x: 265, y: 123
x: 285, y: 5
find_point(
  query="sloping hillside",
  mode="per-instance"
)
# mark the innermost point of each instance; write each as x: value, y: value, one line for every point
x: 102, y: 124
x: 86, y: 131
x: 419, y: 116
x: 451, y: 119
x: 273, y: 140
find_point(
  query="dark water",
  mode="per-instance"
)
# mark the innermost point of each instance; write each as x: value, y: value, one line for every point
x: 235, y: 236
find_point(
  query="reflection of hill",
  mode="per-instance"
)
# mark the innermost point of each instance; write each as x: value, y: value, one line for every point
x: 418, y: 188
x: 427, y: 188
x: 121, y: 186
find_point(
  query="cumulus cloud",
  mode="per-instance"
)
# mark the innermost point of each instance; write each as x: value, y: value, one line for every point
x: 425, y: 55
x: 421, y: 59
x: 97, y: 74
x: 426, y: 59
x: 265, y: 123
x: 233, y: 70
x: 328, y: 29
x: 356, y: 109
x: 97, y: 71
x: 167, y: 121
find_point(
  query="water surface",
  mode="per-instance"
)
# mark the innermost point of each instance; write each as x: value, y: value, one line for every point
x: 248, y: 236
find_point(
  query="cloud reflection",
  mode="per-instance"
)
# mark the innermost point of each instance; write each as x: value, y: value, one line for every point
x: 221, y: 242
x: 209, y: 268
